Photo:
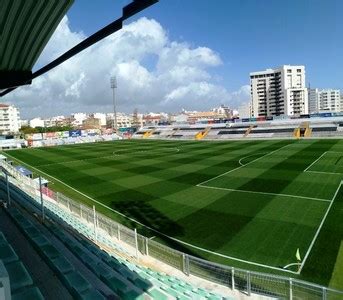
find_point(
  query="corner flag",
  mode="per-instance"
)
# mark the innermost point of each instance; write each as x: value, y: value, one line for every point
x: 297, y: 255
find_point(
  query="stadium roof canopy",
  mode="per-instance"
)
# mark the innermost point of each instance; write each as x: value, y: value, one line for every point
x: 25, y: 28
x: 27, y: 25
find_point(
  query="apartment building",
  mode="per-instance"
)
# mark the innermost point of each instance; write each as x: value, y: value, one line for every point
x: 277, y: 92
x: 327, y: 100
x: 9, y: 119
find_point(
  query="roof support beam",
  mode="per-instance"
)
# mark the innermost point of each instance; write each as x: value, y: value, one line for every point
x: 128, y: 11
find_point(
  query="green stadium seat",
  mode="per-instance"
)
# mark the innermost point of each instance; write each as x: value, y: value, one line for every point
x: 118, y: 284
x: 101, y: 270
x: 40, y: 240
x: 142, y: 283
x: 77, y: 282
x: 31, y: 231
x: 32, y: 293
x: 156, y: 294
x: 62, y: 265
x: 50, y: 251
x: 19, y: 277
x: 91, y: 295
x: 7, y: 254
x: 24, y: 223
x: 2, y: 239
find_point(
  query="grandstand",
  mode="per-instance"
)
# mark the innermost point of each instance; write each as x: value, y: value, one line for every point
x: 85, y: 262
x: 285, y: 128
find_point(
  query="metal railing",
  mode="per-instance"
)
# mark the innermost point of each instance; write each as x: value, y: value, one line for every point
x: 249, y: 282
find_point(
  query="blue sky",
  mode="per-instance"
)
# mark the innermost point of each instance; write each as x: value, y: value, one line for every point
x: 184, y: 54
x: 249, y: 35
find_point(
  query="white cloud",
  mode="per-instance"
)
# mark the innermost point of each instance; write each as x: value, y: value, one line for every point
x: 153, y: 74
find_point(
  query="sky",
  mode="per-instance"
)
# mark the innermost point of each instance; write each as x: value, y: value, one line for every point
x: 183, y: 54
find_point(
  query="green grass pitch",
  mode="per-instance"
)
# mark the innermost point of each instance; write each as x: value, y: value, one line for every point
x: 249, y: 204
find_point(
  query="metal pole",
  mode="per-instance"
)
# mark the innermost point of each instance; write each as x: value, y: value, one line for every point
x: 136, y: 241
x: 41, y: 198
x: 8, y: 191
x: 146, y: 246
x: 94, y: 220
x: 290, y: 289
x: 324, y: 293
x: 233, y: 277
x: 248, y: 283
x: 114, y: 86
x: 118, y: 232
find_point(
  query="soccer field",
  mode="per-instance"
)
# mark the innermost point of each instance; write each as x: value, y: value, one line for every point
x: 250, y: 204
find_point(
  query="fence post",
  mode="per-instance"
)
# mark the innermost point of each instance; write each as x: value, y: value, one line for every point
x: 233, y: 277
x: 324, y: 293
x: 94, y: 221
x: 185, y: 264
x: 68, y: 204
x: 8, y: 190
x: 118, y: 231
x: 41, y: 198
x: 290, y: 289
x: 248, y: 283
x: 136, y: 243
x: 146, y: 246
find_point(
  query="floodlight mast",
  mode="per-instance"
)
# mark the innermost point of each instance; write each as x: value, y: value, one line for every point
x: 113, y: 87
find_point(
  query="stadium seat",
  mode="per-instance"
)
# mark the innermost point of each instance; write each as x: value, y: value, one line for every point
x: 91, y: 295
x: 62, y: 265
x: 32, y: 293
x: 77, y: 283
x: 7, y: 254
x: 19, y: 277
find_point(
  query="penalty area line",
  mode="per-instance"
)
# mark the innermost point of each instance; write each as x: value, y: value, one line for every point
x: 235, y: 169
x: 263, y: 193
x: 240, y: 161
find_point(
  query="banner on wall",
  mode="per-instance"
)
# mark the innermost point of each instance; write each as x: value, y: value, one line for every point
x: 75, y: 133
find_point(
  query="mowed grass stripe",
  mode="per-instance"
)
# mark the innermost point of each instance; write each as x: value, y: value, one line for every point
x: 162, y: 183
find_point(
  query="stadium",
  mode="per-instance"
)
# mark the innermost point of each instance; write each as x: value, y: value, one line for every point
x: 241, y: 209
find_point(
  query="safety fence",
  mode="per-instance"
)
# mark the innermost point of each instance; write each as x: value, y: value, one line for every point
x: 248, y: 282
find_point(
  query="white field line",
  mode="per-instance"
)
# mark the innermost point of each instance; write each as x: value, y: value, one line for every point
x: 315, y: 161
x: 152, y: 229
x: 292, y: 264
x: 319, y: 228
x: 322, y: 172
x: 240, y: 161
x: 264, y: 193
x: 235, y: 169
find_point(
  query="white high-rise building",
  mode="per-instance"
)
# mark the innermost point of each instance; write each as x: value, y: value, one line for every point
x: 281, y: 91
x: 9, y: 119
x: 327, y: 100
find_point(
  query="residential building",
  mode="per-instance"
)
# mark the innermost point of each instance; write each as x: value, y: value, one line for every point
x: 9, y: 119
x: 123, y: 120
x: 36, y: 122
x: 91, y: 123
x: 24, y: 123
x: 313, y: 100
x: 223, y: 111
x: 281, y: 91
x: 78, y: 118
x: 244, y: 110
x: 100, y: 116
x: 326, y: 100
